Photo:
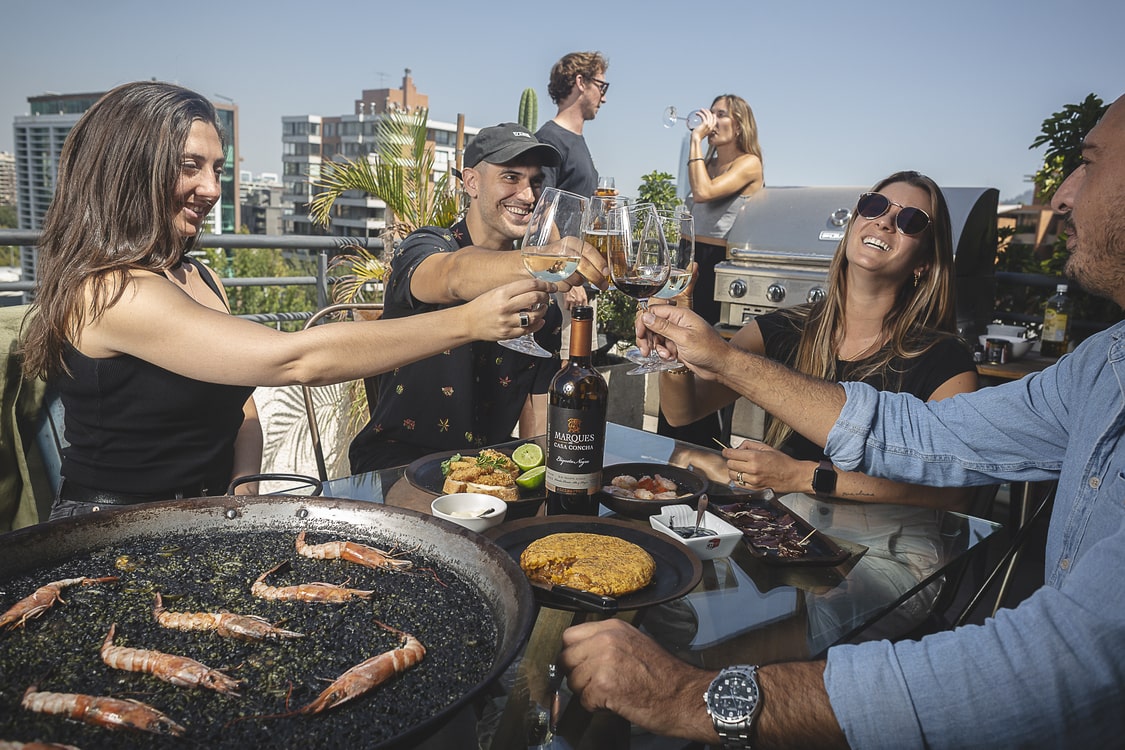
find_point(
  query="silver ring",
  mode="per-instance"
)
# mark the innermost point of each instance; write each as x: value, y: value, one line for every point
x: 738, y: 478
x: 525, y: 319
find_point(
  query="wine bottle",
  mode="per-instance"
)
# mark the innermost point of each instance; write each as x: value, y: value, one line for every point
x: 576, y: 409
x: 1056, y: 324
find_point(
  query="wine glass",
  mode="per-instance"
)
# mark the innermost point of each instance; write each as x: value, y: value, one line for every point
x: 679, y: 231
x: 552, y: 249
x: 639, y: 266
x: 694, y: 120
x: 605, y: 223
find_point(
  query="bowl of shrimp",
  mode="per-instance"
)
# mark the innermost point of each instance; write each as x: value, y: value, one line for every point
x: 640, y: 490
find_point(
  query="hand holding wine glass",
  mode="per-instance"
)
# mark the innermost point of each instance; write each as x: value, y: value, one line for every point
x: 552, y: 249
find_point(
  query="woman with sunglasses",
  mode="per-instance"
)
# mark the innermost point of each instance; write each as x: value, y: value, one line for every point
x: 721, y: 180
x: 888, y: 319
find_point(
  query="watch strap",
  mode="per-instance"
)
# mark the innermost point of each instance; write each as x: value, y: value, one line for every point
x: 824, y: 478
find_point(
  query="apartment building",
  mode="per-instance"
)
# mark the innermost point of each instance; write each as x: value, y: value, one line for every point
x: 7, y: 178
x: 311, y: 140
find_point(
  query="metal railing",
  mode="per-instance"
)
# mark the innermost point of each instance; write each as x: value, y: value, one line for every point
x: 323, y: 247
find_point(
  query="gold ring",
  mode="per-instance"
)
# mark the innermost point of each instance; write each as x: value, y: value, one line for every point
x: 525, y: 319
x: 738, y: 478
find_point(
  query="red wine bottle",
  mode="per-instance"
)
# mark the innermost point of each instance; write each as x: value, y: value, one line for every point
x: 576, y: 410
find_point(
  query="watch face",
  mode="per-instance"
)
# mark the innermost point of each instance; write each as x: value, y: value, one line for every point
x: 733, y: 698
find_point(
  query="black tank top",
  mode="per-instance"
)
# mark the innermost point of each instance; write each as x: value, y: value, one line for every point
x: 137, y: 428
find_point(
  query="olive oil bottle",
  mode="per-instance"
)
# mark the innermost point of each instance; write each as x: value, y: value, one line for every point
x: 576, y: 415
x: 1056, y: 324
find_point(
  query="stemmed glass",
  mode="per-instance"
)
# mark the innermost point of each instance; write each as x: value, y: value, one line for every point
x: 552, y: 249
x: 639, y: 267
x: 694, y: 120
x: 605, y: 223
x: 679, y: 231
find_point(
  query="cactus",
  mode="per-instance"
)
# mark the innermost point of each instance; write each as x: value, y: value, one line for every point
x: 529, y: 110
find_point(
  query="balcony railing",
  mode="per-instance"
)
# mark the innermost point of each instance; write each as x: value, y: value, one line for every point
x: 322, y: 248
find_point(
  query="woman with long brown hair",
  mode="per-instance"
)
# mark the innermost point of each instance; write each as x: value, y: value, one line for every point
x: 154, y: 374
x: 888, y: 319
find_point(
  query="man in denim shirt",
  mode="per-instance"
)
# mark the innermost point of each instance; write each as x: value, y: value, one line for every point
x: 1049, y: 673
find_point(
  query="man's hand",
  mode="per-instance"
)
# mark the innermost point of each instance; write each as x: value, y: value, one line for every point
x: 613, y: 666
x: 680, y: 333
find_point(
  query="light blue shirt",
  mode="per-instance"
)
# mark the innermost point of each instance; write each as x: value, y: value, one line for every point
x: 1051, y: 672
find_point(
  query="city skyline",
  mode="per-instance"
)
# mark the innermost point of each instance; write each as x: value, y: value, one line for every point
x: 840, y: 99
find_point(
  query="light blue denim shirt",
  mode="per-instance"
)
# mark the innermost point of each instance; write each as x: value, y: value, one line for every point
x: 1051, y: 672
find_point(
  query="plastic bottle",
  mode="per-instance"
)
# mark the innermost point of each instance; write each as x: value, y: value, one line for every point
x: 1056, y: 324
x: 576, y: 415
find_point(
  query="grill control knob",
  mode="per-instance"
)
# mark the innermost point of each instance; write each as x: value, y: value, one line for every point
x: 737, y: 288
x: 775, y: 293
x: 816, y: 294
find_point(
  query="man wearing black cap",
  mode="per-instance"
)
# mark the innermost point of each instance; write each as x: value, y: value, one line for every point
x: 470, y: 396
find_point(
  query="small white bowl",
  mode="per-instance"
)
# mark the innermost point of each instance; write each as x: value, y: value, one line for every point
x: 996, y: 330
x: 1020, y: 345
x: 721, y: 544
x: 462, y: 508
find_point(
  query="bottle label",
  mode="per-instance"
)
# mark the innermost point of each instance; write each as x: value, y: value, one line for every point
x: 575, y: 449
x: 1054, y: 326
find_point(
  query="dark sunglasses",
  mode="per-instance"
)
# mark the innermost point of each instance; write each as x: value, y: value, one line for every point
x: 909, y: 221
x: 603, y: 86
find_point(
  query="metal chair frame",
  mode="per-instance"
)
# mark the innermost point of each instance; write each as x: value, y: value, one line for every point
x: 306, y: 391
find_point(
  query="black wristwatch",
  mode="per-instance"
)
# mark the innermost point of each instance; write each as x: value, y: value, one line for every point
x: 733, y: 703
x: 824, y: 479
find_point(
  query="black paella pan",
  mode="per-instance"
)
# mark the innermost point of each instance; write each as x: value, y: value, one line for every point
x: 465, y: 599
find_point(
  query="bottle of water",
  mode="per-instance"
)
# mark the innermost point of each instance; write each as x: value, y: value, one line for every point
x: 1056, y: 324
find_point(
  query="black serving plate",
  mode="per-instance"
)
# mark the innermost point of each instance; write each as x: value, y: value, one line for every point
x: 678, y: 570
x: 691, y: 486
x: 764, y: 521
x: 425, y: 474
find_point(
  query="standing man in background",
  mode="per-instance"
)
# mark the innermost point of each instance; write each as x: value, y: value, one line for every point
x: 578, y: 87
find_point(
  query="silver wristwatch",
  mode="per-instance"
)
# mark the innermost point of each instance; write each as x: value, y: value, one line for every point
x: 733, y: 702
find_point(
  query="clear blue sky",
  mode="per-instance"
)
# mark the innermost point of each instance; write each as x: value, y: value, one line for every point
x: 844, y: 93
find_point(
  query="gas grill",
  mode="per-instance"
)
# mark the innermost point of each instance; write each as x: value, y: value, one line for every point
x: 783, y: 240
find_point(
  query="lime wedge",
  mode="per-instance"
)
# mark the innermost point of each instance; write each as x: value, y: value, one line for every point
x: 532, y: 479
x: 528, y: 456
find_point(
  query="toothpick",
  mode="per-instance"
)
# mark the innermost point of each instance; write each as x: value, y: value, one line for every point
x: 720, y: 442
x: 807, y: 537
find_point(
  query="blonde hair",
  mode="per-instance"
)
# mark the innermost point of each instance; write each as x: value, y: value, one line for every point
x: 746, y: 131
x: 921, y: 315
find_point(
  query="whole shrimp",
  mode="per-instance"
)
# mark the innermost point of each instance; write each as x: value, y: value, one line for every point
x: 352, y: 552
x: 247, y: 627
x: 100, y: 711
x: 369, y: 674
x: 43, y: 599
x: 178, y: 670
x: 315, y: 591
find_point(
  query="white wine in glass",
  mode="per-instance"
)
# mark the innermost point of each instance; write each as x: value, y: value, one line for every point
x: 551, y: 250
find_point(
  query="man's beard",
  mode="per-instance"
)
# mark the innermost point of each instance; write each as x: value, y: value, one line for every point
x: 1097, y: 264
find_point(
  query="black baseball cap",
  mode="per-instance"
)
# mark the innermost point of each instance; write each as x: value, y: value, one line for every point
x: 503, y: 143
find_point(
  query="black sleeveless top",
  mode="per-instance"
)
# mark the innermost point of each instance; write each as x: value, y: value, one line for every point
x: 137, y: 428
